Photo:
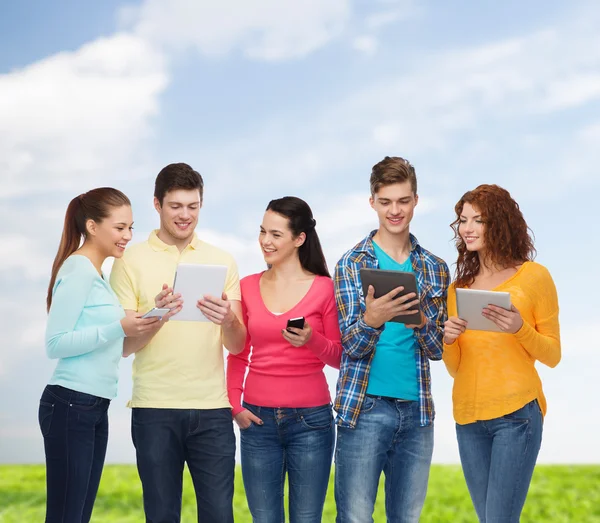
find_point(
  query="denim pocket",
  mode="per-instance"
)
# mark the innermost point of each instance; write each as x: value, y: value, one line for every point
x: 319, y: 418
x: 83, y: 401
x: 45, y: 413
x: 522, y: 415
x: 368, y: 404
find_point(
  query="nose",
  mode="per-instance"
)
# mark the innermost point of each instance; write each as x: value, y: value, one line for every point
x: 395, y: 208
x: 128, y: 235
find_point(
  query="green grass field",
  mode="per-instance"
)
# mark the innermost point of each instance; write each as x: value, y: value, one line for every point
x: 558, y: 494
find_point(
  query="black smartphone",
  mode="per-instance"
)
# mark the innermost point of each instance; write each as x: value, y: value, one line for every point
x: 298, y: 323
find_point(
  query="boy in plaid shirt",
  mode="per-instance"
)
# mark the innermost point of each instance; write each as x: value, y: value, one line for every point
x: 383, y: 402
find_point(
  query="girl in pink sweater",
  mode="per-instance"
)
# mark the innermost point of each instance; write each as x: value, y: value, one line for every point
x: 285, y: 418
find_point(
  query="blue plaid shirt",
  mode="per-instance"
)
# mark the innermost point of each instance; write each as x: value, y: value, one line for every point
x: 359, y: 339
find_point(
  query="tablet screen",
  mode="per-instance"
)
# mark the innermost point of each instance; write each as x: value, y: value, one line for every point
x: 386, y: 281
x: 471, y: 302
x: 194, y: 281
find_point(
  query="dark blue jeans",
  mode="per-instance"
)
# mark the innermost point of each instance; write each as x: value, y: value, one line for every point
x: 498, y: 457
x: 166, y: 439
x: 75, y: 430
x: 297, y: 441
x: 388, y: 438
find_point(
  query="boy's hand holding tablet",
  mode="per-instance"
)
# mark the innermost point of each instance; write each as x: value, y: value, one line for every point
x: 391, y: 296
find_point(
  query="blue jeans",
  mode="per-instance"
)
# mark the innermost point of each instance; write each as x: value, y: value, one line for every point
x: 388, y: 438
x: 296, y: 441
x: 498, y: 457
x: 75, y: 430
x: 166, y: 439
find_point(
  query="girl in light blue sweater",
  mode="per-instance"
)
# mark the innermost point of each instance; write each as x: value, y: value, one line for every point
x: 85, y: 332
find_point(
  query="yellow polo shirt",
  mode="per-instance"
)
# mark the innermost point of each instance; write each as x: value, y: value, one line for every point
x: 182, y: 366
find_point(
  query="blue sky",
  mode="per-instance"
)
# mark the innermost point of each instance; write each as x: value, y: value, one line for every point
x: 271, y: 98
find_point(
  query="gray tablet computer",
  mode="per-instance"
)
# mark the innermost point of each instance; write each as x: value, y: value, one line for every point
x: 386, y: 281
x: 193, y: 281
x: 470, y: 303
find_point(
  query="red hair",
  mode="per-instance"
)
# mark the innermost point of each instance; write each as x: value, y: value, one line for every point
x: 508, y: 241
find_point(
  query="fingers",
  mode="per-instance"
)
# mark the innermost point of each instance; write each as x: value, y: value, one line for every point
x: 393, y: 294
x: 166, y: 298
x: 254, y: 419
x: 172, y: 312
x: 455, y: 320
x: 297, y: 340
x: 406, y: 308
x: 216, y: 308
x: 370, y: 293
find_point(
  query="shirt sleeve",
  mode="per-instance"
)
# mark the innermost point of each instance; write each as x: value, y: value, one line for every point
x: 430, y: 336
x: 358, y: 338
x: 542, y: 340
x: 232, y: 282
x: 328, y: 346
x: 236, y: 369
x: 122, y: 282
x: 69, y: 299
x: 452, y: 352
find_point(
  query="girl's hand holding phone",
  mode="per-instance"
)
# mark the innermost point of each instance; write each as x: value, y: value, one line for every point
x: 296, y: 336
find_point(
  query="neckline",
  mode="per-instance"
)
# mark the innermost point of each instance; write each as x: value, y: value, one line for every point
x: 101, y: 273
x: 401, y: 266
x: 509, y: 279
x: 262, y: 301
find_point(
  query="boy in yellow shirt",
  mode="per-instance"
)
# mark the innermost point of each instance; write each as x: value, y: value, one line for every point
x: 181, y: 413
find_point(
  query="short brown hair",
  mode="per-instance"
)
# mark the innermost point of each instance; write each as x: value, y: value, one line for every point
x: 177, y: 176
x: 390, y: 170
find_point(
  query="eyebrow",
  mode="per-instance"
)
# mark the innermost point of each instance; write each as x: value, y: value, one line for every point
x: 123, y: 223
x: 271, y: 230
x: 476, y: 216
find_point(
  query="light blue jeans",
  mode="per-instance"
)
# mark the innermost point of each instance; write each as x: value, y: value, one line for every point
x: 498, y: 457
x: 298, y: 442
x: 388, y: 438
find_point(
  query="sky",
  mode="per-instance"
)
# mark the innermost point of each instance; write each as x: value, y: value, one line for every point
x: 271, y: 98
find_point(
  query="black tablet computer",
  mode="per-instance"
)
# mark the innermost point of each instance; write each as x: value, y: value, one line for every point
x: 386, y: 281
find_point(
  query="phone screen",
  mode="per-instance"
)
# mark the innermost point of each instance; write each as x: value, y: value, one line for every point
x: 298, y: 323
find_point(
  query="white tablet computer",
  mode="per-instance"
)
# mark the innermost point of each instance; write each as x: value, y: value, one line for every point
x: 471, y: 302
x: 194, y: 281
x: 386, y: 281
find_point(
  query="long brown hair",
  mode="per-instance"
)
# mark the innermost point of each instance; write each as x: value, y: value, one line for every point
x: 92, y: 205
x: 508, y: 240
x: 300, y: 220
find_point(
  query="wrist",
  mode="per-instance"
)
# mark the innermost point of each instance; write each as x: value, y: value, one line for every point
x: 369, y: 321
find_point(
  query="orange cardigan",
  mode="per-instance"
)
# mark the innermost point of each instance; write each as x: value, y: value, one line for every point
x: 494, y: 373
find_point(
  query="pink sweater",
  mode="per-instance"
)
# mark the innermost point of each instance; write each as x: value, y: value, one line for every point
x: 281, y: 375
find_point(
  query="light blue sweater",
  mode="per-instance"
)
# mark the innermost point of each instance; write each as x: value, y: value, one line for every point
x: 84, y: 330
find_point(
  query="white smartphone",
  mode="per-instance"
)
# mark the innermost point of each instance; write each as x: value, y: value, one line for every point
x: 156, y: 313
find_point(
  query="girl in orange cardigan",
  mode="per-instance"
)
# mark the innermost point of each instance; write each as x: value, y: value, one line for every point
x: 497, y: 396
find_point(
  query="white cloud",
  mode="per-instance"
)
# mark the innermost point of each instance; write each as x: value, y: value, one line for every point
x: 78, y: 115
x: 401, y: 11
x: 366, y: 44
x: 263, y: 30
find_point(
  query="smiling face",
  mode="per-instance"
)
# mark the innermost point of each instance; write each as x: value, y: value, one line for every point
x: 472, y: 229
x: 276, y: 239
x: 178, y: 215
x: 112, y: 234
x: 395, y: 206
